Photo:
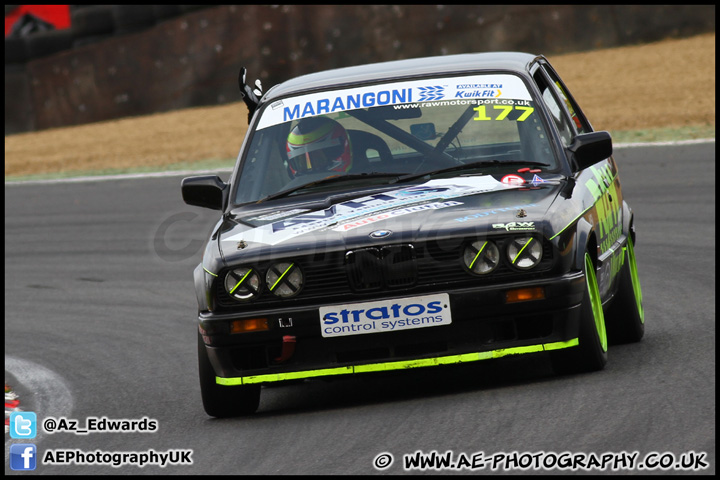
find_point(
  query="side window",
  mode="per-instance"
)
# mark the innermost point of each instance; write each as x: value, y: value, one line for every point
x: 562, y: 123
x: 578, y: 118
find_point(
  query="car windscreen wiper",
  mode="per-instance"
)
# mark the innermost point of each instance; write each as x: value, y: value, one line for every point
x: 465, y: 166
x: 328, y: 180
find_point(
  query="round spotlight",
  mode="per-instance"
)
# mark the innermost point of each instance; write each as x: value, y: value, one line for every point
x: 481, y: 257
x: 242, y: 283
x: 284, y: 279
x: 524, y: 252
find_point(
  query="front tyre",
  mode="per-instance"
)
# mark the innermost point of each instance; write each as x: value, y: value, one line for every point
x: 626, y: 317
x: 591, y: 353
x: 220, y: 400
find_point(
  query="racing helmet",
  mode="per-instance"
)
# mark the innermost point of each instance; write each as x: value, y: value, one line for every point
x: 318, y: 144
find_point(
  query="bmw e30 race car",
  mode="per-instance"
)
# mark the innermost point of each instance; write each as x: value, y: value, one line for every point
x: 410, y: 214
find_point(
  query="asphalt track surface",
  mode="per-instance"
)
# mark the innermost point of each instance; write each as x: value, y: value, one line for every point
x: 100, y: 322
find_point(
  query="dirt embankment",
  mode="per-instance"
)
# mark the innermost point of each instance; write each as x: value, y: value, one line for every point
x: 669, y: 84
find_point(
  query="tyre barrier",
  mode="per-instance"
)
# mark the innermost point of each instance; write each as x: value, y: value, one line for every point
x: 91, y: 20
x: 12, y: 404
x: 42, y: 44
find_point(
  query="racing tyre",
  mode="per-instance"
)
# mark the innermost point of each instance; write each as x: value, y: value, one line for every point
x: 591, y: 353
x: 625, y: 318
x: 219, y: 400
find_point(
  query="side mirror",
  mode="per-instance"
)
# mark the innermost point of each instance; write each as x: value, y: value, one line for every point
x: 206, y: 191
x: 589, y: 148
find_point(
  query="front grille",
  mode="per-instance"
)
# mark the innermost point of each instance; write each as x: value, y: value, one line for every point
x: 359, y: 274
x: 372, y: 269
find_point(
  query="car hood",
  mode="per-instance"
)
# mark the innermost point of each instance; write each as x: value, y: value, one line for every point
x: 441, y: 208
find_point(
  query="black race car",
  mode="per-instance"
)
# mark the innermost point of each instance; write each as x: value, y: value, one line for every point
x: 412, y: 214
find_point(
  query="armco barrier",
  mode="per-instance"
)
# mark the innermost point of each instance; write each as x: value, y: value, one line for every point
x: 152, y: 61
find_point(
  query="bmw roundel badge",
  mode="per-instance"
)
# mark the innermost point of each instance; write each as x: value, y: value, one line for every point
x: 381, y: 233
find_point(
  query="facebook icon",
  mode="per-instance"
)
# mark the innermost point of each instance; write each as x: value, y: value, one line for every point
x: 23, y: 456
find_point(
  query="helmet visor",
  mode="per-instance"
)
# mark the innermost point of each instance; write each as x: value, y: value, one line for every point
x: 315, y: 155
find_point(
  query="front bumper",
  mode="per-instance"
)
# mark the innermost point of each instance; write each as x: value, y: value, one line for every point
x: 484, y: 326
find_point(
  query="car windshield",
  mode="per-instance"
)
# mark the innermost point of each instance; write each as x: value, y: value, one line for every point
x: 384, y: 133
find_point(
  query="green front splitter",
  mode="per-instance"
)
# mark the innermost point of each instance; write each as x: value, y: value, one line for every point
x: 400, y: 365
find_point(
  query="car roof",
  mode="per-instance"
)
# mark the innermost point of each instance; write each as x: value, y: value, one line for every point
x: 427, y: 66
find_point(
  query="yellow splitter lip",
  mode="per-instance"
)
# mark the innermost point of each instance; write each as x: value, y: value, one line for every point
x: 385, y: 315
x: 399, y: 365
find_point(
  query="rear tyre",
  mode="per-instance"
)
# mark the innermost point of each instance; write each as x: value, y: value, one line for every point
x: 591, y: 352
x: 220, y: 400
x: 626, y: 317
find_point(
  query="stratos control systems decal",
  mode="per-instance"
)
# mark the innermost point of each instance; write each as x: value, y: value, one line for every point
x: 385, y: 315
x: 433, y: 193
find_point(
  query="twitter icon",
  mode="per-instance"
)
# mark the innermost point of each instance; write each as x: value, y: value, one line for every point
x: 23, y: 425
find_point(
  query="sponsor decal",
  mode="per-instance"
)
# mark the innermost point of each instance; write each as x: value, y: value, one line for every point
x: 493, y: 211
x: 435, y: 192
x: 478, y: 93
x: 278, y: 214
x: 476, y: 86
x: 431, y: 93
x: 341, y: 103
x: 512, y: 180
x: 515, y: 226
x: 385, y: 315
x: 603, y: 188
x: 396, y: 93
x: 479, y: 90
x: 395, y: 213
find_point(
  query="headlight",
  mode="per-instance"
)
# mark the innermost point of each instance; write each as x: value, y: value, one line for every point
x: 481, y: 257
x: 242, y: 283
x: 524, y: 252
x: 284, y: 279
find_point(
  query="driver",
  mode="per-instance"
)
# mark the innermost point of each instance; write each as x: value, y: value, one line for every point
x: 318, y: 144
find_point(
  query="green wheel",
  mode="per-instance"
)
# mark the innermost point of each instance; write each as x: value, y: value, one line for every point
x: 591, y: 352
x: 626, y: 317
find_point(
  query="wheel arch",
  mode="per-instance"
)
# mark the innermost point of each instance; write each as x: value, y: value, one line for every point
x: 629, y: 222
x: 586, y: 241
x: 202, y: 288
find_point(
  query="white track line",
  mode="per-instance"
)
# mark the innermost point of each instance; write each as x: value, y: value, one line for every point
x: 125, y: 176
x: 177, y: 173
x: 664, y: 144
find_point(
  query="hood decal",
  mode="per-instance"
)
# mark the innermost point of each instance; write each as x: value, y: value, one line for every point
x: 268, y: 217
x: 496, y: 211
x: 515, y: 226
x: 394, y: 213
x: 398, y: 201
